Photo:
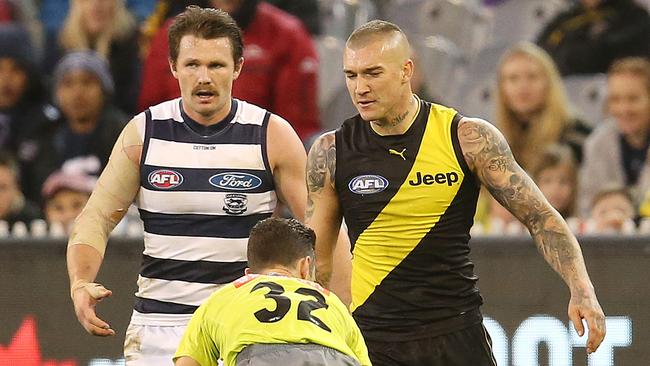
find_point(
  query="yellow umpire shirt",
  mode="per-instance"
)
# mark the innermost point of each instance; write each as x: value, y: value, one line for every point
x: 261, y: 309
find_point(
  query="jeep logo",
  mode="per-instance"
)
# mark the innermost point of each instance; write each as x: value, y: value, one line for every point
x: 235, y: 181
x: 165, y: 179
x: 439, y: 178
x: 368, y: 184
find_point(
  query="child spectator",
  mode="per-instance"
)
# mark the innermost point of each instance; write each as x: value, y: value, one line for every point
x: 65, y: 194
x: 556, y: 177
x: 612, y: 212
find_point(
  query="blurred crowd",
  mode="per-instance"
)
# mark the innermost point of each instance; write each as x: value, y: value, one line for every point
x: 566, y: 81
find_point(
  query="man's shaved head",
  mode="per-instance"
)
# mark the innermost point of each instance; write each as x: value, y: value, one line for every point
x: 379, y: 30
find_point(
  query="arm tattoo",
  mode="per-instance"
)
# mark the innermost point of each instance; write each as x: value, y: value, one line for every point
x: 321, y: 163
x: 488, y: 154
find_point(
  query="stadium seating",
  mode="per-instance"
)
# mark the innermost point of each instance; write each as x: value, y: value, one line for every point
x: 522, y: 20
x: 341, y: 17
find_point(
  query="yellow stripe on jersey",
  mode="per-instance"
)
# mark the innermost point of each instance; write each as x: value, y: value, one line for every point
x: 430, y: 187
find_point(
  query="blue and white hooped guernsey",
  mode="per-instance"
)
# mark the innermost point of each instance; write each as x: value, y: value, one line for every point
x: 202, y: 189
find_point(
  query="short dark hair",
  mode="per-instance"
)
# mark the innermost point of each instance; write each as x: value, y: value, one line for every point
x: 206, y: 23
x: 373, y: 29
x: 278, y: 241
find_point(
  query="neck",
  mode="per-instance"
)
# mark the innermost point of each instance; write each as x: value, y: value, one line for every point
x: 400, y: 120
x: 637, y: 140
x: 208, y: 119
x: 82, y: 125
x: 281, y: 271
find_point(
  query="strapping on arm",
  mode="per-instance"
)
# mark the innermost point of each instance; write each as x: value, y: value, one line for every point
x: 114, y: 192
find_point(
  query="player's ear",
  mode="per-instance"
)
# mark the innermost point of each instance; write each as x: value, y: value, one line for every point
x: 238, y: 67
x: 407, y: 70
x: 172, y: 67
x: 247, y: 271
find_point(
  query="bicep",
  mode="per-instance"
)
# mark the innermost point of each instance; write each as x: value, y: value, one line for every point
x: 287, y: 158
x: 491, y: 159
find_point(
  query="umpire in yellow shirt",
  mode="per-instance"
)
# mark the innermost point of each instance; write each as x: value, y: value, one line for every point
x: 274, y: 315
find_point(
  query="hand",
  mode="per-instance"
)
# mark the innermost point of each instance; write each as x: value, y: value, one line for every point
x: 584, y: 305
x: 85, y: 296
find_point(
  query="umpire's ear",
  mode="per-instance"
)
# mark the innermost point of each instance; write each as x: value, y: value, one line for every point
x: 247, y: 271
x: 305, y: 268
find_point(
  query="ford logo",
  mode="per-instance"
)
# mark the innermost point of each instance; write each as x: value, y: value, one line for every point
x: 165, y: 179
x: 235, y: 181
x: 368, y: 184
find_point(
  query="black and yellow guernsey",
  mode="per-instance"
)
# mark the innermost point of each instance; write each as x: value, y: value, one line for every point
x: 409, y: 201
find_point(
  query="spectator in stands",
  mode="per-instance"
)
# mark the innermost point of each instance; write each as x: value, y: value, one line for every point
x: 612, y: 212
x: 591, y: 34
x: 89, y: 124
x: 532, y: 110
x: 107, y: 28
x: 64, y: 195
x: 616, y: 153
x: 23, y: 107
x: 556, y: 177
x: 305, y: 10
x: 13, y: 205
x: 280, y: 65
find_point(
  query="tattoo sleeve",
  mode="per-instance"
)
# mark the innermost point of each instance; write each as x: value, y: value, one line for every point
x: 488, y: 154
x: 321, y: 166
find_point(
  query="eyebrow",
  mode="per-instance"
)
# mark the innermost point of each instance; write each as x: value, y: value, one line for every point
x: 367, y: 70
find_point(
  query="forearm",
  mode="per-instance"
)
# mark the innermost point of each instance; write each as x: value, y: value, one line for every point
x: 327, y: 235
x: 560, y: 249
x: 340, y: 277
x: 83, y: 264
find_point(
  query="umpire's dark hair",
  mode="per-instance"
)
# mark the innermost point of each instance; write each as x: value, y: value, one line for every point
x: 205, y: 23
x: 278, y: 241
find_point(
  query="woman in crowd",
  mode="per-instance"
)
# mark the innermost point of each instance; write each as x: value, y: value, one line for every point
x: 616, y: 153
x: 532, y: 110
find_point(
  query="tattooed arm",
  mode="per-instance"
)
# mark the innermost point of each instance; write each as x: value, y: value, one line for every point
x: 488, y: 155
x: 324, y: 216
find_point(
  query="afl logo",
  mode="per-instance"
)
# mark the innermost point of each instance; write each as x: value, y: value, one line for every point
x: 165, y: 179
x: 368, y: 184
x: 235, y: 181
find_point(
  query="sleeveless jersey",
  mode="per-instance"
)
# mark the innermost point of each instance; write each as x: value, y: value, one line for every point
x: 408, y: 201
x: 261, y: 309
x: 202, y: 190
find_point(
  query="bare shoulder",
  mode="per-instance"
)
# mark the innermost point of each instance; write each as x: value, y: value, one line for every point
x: 483, y: 145
x: 324, y: 141
x: 283, y: 141
x: 280, y: 127
x: 131, y: 140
